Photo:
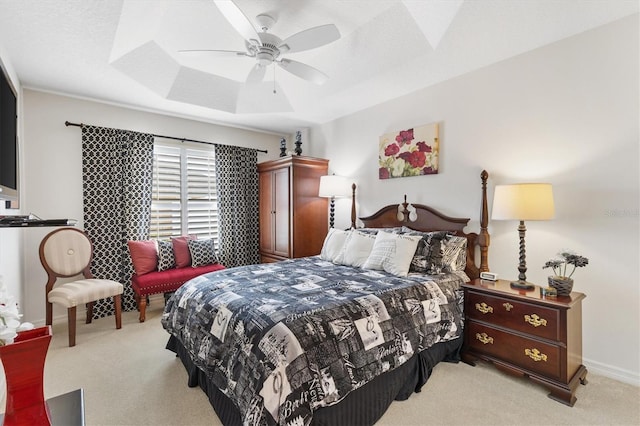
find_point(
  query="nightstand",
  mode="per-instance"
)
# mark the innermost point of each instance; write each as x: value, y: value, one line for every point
x: 524, y: 333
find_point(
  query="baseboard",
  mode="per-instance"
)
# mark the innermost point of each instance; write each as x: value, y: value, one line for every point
x: 611, y: 372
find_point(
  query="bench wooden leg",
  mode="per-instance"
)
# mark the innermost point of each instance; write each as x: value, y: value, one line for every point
x: 142, y: 307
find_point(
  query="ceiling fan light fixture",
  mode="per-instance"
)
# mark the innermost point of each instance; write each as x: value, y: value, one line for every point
x: 264, y: 58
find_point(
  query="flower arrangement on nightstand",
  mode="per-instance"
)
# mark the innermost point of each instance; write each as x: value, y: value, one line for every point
x: 562, y: 281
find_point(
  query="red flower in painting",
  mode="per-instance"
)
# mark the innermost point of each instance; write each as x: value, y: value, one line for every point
x: 428, y: 171
x: 391, y: 150
x: 423, y: 147
x: 383, y: 173
x: 416, y: 158
x: 404, y: 137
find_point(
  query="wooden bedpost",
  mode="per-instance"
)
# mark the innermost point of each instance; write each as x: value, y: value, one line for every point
x: 483, y: 238
x: 353, y: 205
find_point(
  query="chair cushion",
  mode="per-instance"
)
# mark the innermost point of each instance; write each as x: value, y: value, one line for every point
x: 84, y: 291
x: 169, y: 280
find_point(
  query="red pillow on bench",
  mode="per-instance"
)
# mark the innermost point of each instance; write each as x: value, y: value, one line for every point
x: 144, y: 256
x: 181, y: 250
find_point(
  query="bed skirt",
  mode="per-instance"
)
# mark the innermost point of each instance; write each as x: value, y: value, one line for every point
x: 363, y: 406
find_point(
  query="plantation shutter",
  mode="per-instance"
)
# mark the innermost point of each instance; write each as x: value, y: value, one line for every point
x: 184, y: 199
x: 202, y: 201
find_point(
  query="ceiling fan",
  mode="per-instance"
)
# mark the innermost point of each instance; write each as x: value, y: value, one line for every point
x: 267, y: 48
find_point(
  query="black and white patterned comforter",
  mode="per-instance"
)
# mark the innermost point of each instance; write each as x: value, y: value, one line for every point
x: 283, y: 339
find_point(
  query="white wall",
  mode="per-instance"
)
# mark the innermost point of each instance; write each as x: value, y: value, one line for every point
x: 567, y: 114
x: 11, y: 238
x: 53, y: 165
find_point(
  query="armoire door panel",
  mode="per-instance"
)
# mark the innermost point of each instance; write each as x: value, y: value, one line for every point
x: 266, y: 212
x: 282, y: 226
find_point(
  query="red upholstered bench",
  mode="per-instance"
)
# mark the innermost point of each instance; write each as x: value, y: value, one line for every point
x: 164, y: 282
x: 163, y: 266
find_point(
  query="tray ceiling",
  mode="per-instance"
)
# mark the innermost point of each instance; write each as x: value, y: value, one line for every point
x: 126, y: 51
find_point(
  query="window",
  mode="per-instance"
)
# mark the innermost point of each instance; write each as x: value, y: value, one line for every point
x: 184, y: 199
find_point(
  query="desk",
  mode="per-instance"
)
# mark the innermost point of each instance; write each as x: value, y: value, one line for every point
x: 66, y: 409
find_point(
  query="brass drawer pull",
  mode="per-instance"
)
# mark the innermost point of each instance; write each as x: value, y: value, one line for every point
x: 508, y: 306
x: 535, y: 320
x: 484, y: 338
x: 535, y: 355
x: 484, y: 308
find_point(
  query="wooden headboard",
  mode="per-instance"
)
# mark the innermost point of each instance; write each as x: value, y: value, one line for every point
x: 429, y: 219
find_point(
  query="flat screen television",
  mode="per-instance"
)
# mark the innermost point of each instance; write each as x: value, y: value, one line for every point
x: 8, y: 139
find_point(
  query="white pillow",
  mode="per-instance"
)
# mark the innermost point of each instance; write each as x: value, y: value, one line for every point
x: 357, y: 249
x: 392, y: 253
x: 333, y: 244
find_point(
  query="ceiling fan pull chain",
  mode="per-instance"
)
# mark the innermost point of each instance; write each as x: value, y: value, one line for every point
x: 274, y: 78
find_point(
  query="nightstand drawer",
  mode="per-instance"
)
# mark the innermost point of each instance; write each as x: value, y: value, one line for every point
x: 524, y: 317
x: 529, y: 354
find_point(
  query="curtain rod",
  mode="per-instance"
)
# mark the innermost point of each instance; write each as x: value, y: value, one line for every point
x: 68, y: 123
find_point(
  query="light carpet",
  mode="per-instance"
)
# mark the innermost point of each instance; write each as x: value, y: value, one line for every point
x: 129, y: 378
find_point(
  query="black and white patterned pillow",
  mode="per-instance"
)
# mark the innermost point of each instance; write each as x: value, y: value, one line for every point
x: 454, y: 254
x: 166, y: 258
x: 439, y: 252
x: 428, y: 257
x: 203, y: 252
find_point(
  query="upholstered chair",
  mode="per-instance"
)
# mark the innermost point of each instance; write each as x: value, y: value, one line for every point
x: 66, y: 253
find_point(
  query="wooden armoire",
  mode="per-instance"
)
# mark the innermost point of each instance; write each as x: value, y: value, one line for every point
x: 293, y: 219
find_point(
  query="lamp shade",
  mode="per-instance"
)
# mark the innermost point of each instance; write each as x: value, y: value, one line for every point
x: 523, y: 201
x: 334, y: 186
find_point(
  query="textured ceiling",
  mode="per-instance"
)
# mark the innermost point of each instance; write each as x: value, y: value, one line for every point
x: 126, y: 51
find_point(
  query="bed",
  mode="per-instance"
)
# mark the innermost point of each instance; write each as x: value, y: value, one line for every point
x: 320, y: 341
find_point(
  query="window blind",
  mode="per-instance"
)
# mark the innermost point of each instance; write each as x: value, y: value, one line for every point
x: 184, y: 199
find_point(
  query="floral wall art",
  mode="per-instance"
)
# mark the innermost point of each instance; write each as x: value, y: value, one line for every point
x: 411, y: 152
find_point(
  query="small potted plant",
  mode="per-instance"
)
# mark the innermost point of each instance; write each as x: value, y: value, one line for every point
x: 562, y: 281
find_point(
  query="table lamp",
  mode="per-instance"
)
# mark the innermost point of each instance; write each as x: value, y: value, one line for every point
x: 524, y: 201
x: 332, y: 186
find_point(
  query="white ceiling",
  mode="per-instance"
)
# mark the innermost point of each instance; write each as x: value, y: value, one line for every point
x: 125, y: 51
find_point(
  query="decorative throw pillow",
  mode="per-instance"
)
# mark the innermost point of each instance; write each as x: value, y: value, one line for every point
x: 428, y: 256
x: 203, y: 252
x: 357, y: 249
x: 374, y: 231
x: 454, y: 254
x: 166, y: 258
x: 144, y: 256
x: 181, y: 250
x: 333, y: 244
x: 392, y: 253
x: 439, y: 252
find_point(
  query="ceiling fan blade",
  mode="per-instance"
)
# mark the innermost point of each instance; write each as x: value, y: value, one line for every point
x: 214, y: 52
x: 304, y: 71
x: 237, y: 19
x: 311, y: 38
x: 256, y: 75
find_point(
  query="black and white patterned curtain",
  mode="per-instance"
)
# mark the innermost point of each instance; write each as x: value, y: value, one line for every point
x: 117, y: 172
x: 237, y: 186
